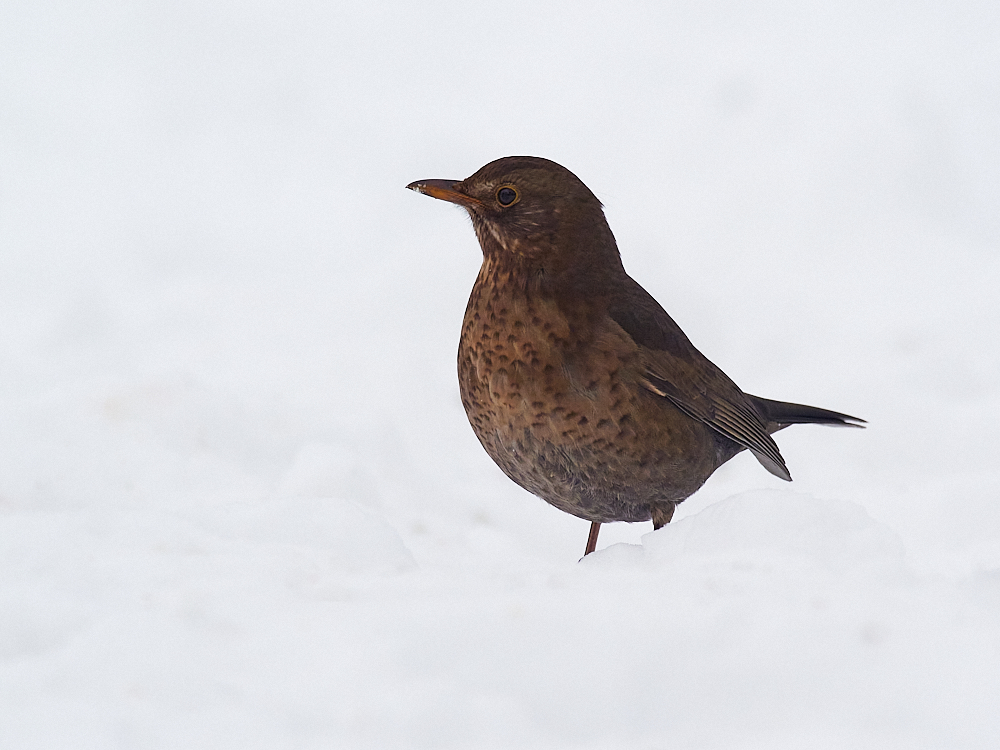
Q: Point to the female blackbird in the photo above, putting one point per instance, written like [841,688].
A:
[577,383]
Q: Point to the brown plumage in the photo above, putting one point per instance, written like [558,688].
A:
[577,383]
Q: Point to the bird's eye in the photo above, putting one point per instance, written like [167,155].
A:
[507,196]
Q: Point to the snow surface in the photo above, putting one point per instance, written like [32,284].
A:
[240,505]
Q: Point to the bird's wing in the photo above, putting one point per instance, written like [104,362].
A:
[674,369]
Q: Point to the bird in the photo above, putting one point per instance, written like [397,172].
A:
[578,384]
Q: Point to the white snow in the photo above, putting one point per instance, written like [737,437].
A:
[240,504]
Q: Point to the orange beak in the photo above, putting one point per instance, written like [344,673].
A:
[444,190]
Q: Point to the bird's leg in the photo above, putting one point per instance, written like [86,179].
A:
[595,529]
[662,513]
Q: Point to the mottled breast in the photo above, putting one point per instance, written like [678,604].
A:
[562,413]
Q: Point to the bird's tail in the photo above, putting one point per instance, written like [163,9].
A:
[782,414]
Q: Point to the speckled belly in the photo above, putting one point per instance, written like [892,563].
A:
[567,427]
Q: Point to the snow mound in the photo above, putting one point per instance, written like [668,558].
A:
[781,527]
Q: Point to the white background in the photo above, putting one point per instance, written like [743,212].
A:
[240,504]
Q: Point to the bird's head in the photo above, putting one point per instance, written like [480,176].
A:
[531,209]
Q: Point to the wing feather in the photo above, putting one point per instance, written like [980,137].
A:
[677,371]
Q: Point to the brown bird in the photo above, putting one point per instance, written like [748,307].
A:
[577,383]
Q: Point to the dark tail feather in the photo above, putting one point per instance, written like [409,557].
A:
[783,413]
